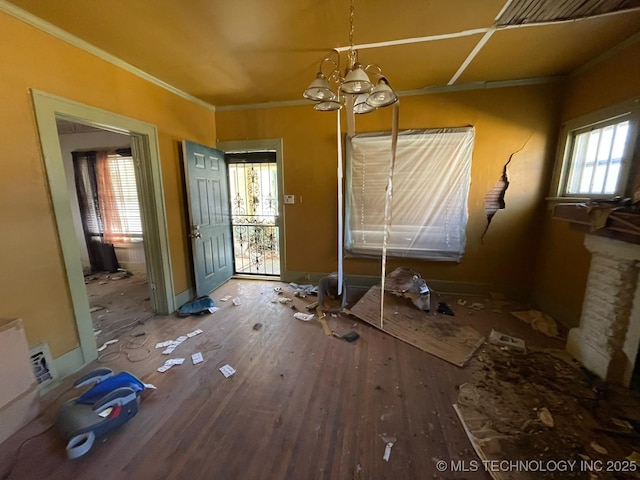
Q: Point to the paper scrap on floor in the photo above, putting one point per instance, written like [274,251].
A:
[196,358]
[227,370]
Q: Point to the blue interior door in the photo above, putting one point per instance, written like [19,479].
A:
[208,199]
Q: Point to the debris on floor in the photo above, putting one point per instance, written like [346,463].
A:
[444,309]
[170,363]
[430,333]
[351,336]
[406,283]
[539,321]
[199,306]
[476,306]
[227,370]
[170,345]
[257,326]
[539,407]
[226,298]
[389,441]
[303,290]
[196,358]
[236,302]
[305,317]
[504,340]
[120,274]
[544,415]
[329,300]
[106,344]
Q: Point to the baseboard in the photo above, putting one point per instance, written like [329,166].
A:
[569,318]
[64,365]
[184,297]
[437,286]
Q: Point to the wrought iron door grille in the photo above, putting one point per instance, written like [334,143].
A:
[254,220]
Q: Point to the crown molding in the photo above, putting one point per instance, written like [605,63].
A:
[61,34]
[463,87]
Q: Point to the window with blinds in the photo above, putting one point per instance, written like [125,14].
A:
[124,195]
[114,202]
[431,182]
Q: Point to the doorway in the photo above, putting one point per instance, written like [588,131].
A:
[253,193]
[144,145]
[104,200]
[256,189]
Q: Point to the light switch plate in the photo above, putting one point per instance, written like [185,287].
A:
[289,199]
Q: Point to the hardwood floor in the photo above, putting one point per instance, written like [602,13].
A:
[302,405]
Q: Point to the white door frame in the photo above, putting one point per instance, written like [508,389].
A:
[144,145]
[266,145]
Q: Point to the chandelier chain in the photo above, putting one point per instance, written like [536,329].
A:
[352,11]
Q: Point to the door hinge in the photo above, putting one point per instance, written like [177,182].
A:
[153,286]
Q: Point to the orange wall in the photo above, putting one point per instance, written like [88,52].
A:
[504,119]
[563,266]
[33,284]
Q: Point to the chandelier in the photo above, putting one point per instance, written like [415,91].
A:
[355,82]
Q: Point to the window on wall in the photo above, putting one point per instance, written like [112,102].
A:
[108,196]
[431,182]
[596,154]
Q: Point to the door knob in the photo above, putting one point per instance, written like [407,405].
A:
[195,232]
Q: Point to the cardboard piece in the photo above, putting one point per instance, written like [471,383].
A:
[435,335]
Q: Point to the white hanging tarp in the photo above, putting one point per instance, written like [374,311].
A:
[431,181]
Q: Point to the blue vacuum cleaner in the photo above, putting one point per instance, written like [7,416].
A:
[110,403]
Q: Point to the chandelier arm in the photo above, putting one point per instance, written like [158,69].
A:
[378,68]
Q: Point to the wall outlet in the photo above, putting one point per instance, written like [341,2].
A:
[289,199]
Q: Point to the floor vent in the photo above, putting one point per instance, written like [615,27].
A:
[42,364]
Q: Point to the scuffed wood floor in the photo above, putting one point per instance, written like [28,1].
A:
[301,405]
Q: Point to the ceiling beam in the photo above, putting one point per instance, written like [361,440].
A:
[485,38]
[406,41]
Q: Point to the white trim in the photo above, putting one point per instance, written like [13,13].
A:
[461,87]
[475,31]
[144,138]
[406,41]
[254,106]
[558,180]
[184,297]
[464,87]
[65,365]
[472,55]
[65,36]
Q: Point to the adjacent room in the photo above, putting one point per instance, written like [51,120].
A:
[343,240]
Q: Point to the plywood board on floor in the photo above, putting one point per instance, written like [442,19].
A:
[430,333]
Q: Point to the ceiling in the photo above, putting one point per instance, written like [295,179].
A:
[255,51]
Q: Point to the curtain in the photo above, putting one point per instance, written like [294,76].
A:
[107,193]
[108,201]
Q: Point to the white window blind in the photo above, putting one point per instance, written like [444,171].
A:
[430,191]
[111,205]
[125,195]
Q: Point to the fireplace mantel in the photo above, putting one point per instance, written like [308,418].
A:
[607,340]
[623,226]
